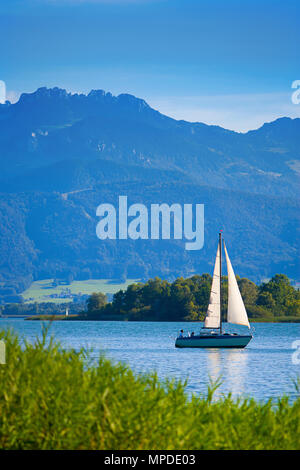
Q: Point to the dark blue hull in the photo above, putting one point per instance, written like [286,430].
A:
[214,341]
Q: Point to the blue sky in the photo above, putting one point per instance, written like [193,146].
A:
[229,62]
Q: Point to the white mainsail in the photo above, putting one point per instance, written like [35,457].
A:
[236,309]
[212,319]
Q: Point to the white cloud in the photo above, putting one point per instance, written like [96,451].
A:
[239,112]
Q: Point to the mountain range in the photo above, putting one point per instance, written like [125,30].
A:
[63,154]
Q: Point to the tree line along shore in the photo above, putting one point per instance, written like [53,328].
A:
[182,300]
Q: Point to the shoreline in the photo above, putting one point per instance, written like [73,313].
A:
[80,318]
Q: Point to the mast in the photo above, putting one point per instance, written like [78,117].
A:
[220,250]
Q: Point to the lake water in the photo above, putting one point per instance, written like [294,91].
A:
[264,369]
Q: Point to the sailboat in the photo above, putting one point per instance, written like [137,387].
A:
[236,312]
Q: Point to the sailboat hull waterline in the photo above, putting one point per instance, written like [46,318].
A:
[214,341]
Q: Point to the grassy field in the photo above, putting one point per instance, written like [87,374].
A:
[52,317]
[56,399]
[39,291]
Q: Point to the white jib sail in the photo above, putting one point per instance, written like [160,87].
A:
[212,319]
[236,309]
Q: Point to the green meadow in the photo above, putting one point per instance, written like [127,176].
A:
[39,291]
[56,399]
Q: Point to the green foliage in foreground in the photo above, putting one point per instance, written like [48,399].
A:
[56,399]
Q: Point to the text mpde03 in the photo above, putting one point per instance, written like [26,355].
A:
[177,459]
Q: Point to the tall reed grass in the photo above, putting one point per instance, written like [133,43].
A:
[56,399]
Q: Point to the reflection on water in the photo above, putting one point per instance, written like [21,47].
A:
[264,369]
[215,372]
[236,371]
[214,364]
[228,367]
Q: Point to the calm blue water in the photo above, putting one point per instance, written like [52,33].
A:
[263,370]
